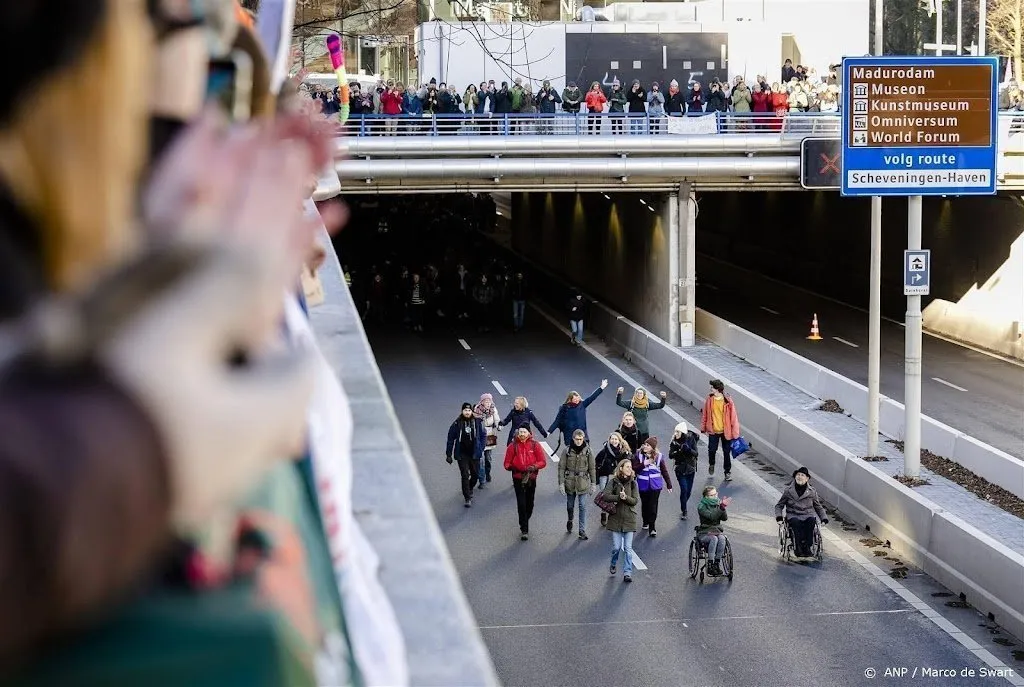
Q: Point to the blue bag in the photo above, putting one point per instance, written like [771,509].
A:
[739,446]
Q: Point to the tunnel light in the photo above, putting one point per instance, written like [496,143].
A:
[498,213]
[606,196]
[651,208]
[643,202]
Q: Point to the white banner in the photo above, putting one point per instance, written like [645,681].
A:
[694,124]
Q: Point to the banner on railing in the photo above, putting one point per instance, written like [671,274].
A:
[706,124]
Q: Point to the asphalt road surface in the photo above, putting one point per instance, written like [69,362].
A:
[548,609]
[974,392]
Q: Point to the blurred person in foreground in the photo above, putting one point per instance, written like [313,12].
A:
[154,404]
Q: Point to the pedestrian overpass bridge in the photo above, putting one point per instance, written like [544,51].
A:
[723,152]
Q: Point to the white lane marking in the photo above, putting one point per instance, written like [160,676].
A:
[464,344]
[844,341]
[882,576]
[951,385]
[548,450]
[499,387]
[684,621]
[637,563]
[773,312]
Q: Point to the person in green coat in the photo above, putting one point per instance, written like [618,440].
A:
[640,405]
[622,491]
[712,514]
[577,479]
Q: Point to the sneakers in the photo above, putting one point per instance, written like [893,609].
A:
[611,570]
[654,533]
[728,477]
[583,536]
[524,536]
[488,478]
[480,485]
[713,569]
[682,516]
[468,503]
[627,578]
[646,526]
[568,526]
[604,518]
[711,469]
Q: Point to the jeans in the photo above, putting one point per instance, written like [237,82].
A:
[524,501]
[685,489]
[715,544]
[577,330]
[623,541]
[570,500]
[713,441]
[649,507]
[469,469]
[602,482]
[518,312]
[484,471]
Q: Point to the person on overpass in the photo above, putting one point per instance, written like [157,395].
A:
[577,307]
[577,479]
[524,457]
[466,445]
[640,405]
[800,503]
[521,415]
[608,458]
[487,413]
[719,421]
[651,477]
[572,414]
[623,492]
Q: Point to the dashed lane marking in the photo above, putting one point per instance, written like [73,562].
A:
[769,310]
[464,344]
[882,576]
[550,451]
[844,341]
[499,387]
[951,385]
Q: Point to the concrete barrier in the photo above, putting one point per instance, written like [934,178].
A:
[998,467]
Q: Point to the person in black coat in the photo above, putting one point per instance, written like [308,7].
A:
[465,444]
[521,415]
[577,310]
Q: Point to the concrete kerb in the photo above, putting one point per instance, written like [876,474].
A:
[998,467]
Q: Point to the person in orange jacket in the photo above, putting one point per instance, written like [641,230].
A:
[595,101]
[524,457]
[719,421]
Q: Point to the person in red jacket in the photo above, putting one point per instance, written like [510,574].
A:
[391,105]
[595,101]
[524,457]
[719,421]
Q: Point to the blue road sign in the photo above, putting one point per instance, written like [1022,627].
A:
[919,126]
[917,272]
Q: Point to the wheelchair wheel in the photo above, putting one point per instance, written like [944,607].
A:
[694,559]
[727,559]
[783,539]
[790,543]
[816,543]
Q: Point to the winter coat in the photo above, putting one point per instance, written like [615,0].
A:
[412,105]
[617,101]
[515,97]
[632,437]
[501,102]
[800,507]
[732,423]
[595,101]
[762,101]
[676,103]
[656,104]
[577,309]
[483,294]
[390,103]
[520,455]
[651,477]
[453,444]
[741,98]
[490,422]
[518,418]
[636,100]
[547,99]
[640,414]
[780,103]
[695,102]
[717,101]
[571,99]
[624,518]
[712,515]
[518,290]
[608,459]
[570,418]
[684,452]
[577,470]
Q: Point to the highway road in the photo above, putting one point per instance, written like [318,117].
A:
[971,391]
[551,614]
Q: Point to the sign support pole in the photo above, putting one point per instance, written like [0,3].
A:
[875,289]
[912,358]
[982,19]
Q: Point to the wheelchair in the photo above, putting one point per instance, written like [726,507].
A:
[787,543]
[698,559]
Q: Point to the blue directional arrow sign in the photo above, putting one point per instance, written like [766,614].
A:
[917,272]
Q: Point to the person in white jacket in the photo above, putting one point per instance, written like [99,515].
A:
[488,415]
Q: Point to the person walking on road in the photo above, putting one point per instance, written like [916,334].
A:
[577,308]
[640,405]
[622,491]
[521,415]
[651,477]
[608,458]
[524,457]
[572,414]
[577,479]
[683,451]
[630,433]
[519,293]
[487,413]
[719,421]
[801,503]
[466,445]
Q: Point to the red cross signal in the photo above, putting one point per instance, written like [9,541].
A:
[830,163]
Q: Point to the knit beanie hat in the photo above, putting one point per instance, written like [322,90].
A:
[801,470]
[467,404]
[486,397]
[652,442]
[682,428]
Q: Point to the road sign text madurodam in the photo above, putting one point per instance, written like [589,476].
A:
[919,125]
[915,106]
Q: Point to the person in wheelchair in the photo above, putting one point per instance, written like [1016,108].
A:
[712,513]
[801,504]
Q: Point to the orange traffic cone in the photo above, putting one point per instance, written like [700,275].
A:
[815,336]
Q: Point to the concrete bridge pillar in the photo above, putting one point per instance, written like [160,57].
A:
[682,244]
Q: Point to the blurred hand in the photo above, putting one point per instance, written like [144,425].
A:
[604,383]
[561,489]
[726,501]
[663,394]
[619,390]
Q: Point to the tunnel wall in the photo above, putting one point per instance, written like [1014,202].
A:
[614,248]
[821,242]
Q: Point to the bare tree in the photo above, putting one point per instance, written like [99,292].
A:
[1006,30]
